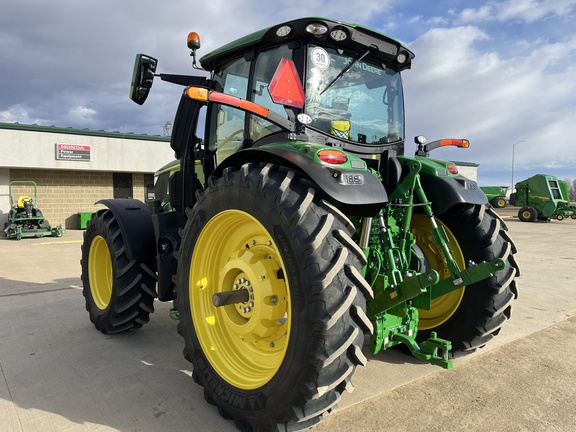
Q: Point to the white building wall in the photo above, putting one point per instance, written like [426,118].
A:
[31,149]
[4,200]
[28,148]
[470,172]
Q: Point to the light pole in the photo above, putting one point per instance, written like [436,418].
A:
[513,147]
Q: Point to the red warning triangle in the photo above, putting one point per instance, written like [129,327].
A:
[286,87]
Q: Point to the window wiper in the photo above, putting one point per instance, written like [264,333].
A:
[343,71]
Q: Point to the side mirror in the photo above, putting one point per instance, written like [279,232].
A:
[142,77]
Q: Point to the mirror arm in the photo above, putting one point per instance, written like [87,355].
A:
[184,80]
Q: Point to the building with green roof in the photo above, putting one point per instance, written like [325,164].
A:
[74,168]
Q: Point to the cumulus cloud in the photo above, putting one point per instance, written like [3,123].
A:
[494,101]
[82,115]
[15,114]
[524,10]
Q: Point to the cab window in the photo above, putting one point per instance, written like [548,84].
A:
[266,64]
[226,124]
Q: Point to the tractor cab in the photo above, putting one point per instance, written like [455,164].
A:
[310,80]
[333,84]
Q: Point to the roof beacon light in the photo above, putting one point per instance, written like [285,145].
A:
[193,44]
[317,29]
[193,41]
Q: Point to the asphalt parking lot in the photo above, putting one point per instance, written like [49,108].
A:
[57,373]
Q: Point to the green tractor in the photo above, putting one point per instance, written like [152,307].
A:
[304,230]
[543,197]
[496,195]
[24,218]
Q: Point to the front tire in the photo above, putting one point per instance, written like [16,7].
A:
[281,359]
[119,292]
[470,316]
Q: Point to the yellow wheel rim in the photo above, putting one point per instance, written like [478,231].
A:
[526,214]
[501,202]
[442,308]
[100,272]
[244,342]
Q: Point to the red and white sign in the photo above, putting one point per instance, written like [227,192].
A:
[73,152]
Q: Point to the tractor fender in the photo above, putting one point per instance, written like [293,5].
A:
[445,192]
[363,198]
[135,220]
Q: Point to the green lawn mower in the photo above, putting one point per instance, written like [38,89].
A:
[25,220]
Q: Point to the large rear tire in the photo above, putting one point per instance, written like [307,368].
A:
[119,292]
[282,358]
[472,315]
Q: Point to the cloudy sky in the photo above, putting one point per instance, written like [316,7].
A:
[501,73]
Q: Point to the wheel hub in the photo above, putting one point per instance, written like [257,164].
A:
[259,317]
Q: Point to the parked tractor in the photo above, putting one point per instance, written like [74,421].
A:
[543,197]
[496,195]
[24,218]
[306,230]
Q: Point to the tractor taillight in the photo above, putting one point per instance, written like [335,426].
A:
[333,157]
[452,168]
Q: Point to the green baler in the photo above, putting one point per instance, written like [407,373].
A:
[542,197]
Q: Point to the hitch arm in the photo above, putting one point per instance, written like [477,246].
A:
[434,350]
[472,274]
